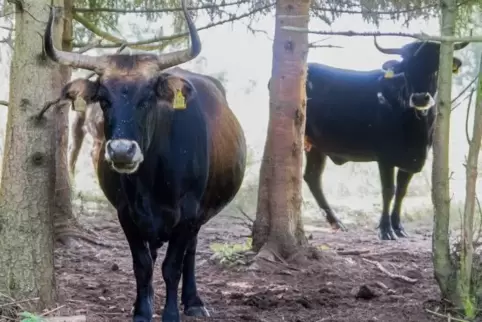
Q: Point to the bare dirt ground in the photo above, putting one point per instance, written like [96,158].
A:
[99,282]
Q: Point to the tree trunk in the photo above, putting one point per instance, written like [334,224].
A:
[468,269]
[443,265]
[278,228]
[63,214]
[454,276]
[66,224]
[26,230]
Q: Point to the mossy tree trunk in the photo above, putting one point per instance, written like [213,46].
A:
[28,173]
[278,228]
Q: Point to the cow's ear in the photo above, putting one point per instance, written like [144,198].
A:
[81,92]
[175,90]
[393,65]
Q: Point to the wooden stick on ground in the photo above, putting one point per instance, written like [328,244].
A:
[75,318]
[389,274]
[353,252]
[448,317]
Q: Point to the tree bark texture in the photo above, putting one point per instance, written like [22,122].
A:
[26,229]
[64,220]
[278,228]
[444,266]
[469,273]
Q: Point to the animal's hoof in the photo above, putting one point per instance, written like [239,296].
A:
[197,311]
[140,319]
[400,232]
[387,234]
[338,225]
[170,317]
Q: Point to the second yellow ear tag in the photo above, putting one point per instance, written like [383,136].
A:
[79,104]
[389,74]
[179,101]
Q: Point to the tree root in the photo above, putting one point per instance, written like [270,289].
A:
[63,236]
[269,259]
[389,274]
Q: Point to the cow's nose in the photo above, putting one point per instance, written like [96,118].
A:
[121,151]
[421,99]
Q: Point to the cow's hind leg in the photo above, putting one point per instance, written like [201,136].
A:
[403,180]
[315,164]
[193,305]
[143,264]
[388,189]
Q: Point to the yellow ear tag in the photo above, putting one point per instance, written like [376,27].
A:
[455,69]
[179,101]
[389,74]
[79,104]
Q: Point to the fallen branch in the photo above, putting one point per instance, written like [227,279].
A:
[445,316]
[381,285]
[52,311]
[353,252]
[74,318]
[389,274]
[18,302]
[420,36]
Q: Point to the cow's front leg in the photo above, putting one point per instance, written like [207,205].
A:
[172,267]
[143,264]
[193,305]
[171,272]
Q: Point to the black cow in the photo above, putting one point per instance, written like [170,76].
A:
[174,156]
[91,121]
[385,116]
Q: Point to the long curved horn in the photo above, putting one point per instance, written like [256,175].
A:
[389,51]
[460,45]
[179,57]
[96,64]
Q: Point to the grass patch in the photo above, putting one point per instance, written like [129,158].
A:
[231,254]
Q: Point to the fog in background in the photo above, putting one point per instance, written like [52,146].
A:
[245,60]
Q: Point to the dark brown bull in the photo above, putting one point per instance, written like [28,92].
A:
[174,156]
[91,121]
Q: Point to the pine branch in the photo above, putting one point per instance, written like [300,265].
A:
[365,11]
[107,36]
[420,36]
[4,103]
[163,10]
[142,43]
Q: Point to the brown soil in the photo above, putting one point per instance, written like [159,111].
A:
[99,282]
